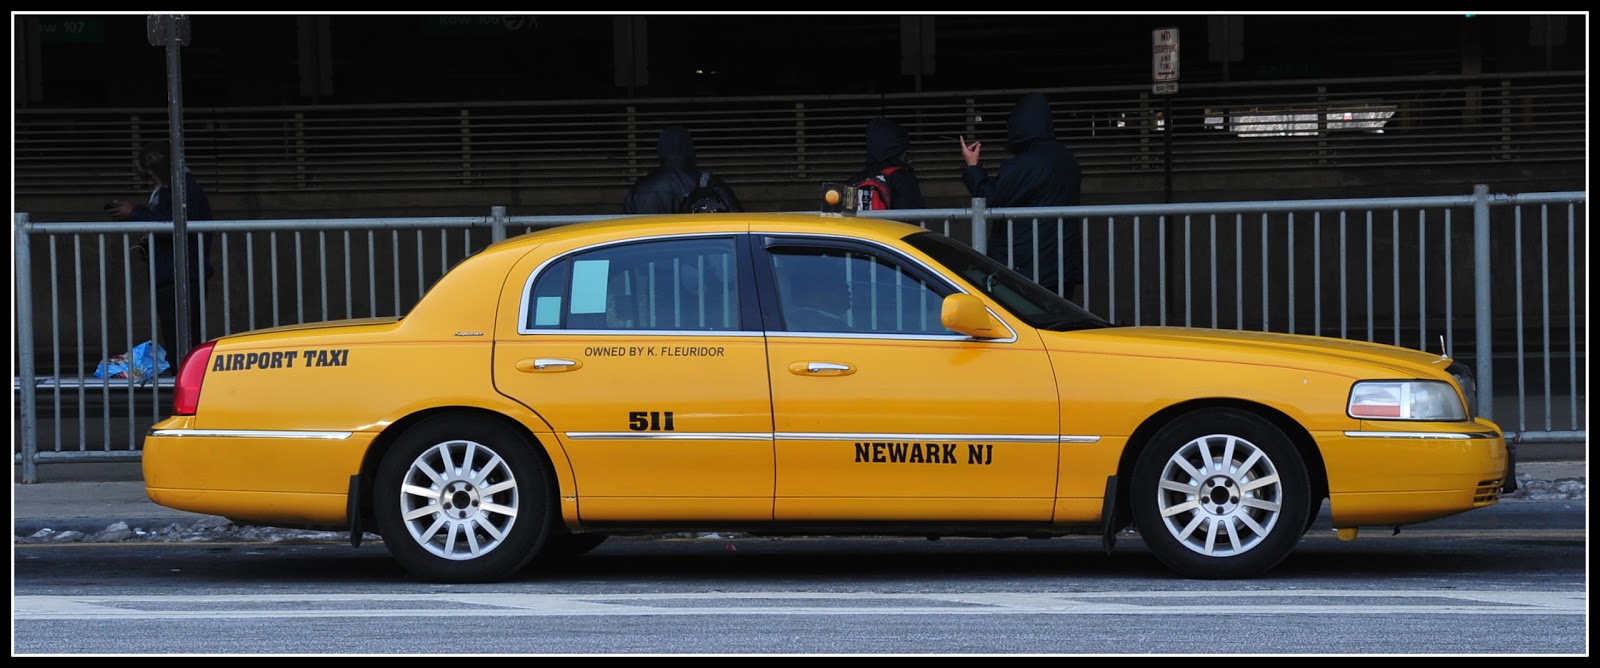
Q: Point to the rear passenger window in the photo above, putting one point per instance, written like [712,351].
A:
[671,285]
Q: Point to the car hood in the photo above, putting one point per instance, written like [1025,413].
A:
[1313,353]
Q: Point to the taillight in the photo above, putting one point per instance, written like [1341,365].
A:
[186,394]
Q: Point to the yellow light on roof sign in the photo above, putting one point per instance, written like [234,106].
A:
[838,199]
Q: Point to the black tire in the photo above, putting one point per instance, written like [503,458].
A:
[1220,522]
[479,516]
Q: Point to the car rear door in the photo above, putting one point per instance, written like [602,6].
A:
[645,358]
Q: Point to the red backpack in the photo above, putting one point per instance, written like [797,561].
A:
[872,193]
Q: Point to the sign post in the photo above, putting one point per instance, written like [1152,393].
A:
[1164,74]
[1164,78]
[172,32]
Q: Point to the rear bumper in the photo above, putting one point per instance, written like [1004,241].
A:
[275,478]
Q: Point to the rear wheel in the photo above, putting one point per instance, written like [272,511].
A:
[1220,493]
[462,500]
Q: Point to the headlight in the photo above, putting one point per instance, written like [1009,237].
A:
[1405,400]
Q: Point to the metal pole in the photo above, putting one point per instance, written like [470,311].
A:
[23,280]
[497,222]
[172,31]
[1166,135]
[980,225]
[1170,231]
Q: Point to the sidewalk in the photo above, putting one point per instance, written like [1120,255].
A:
[90,497]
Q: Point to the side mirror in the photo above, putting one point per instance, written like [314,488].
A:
[964,313]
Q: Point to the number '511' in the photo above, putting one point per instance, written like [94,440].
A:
[650,420]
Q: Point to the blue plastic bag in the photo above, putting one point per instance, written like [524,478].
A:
[142,364]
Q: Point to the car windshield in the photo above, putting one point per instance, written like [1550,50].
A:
[1025,299]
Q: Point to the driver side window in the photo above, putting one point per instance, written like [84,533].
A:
[837,290]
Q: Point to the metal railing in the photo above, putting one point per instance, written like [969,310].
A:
[1489,278]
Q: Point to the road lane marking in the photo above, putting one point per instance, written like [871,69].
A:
[1298,602]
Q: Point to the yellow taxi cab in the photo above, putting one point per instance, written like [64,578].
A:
[795,374]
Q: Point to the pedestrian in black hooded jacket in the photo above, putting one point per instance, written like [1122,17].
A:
[889,149]
[155,165]
[1040,172]
[663,189]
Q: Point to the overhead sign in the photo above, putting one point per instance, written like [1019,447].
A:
[476,24]
[70,29]
[1164,54]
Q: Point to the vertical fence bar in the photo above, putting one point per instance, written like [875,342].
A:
[1371,324]
[227,278]
[1111,265]
[444,252]
[250,279]
[1188,273]
[55,333]
[106,347]
[1422,280]
[200,306]
[1344,280]
[1138,295]
[497,224]
[272,257]
[394,264]
[1033,247]
[1544,292]
[24,289]
[1266,280]
[1316,273]
[1449,283]
[1212,228]
[1516,272]
[1238,272]
[299,279]
[1572,319]
[1394,264]
[1061,275]
[1289,267]
[1483,308]
[372,274]
[1161,266]
[322,268]
[422,284]
[980,225]
[349,290]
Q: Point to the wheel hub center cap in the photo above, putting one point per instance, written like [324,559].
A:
[459,500]
[1220,495]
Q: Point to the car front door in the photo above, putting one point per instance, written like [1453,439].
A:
[882,414]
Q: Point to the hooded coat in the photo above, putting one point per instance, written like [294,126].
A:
[160,209]
[888,145]
[1040,172]
[664,187]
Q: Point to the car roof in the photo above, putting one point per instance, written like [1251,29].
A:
[771,223]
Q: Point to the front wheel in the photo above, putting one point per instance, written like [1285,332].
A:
[1220,493]
[460,500]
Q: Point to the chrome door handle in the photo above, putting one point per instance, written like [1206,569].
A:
[821,369]
[547,364]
